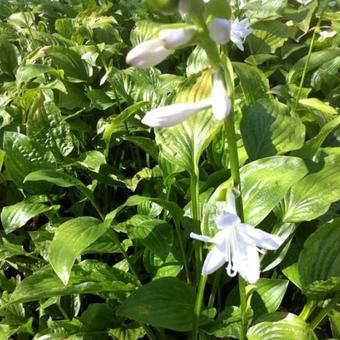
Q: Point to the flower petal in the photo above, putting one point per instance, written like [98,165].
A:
[261,238]
[226,219]
[219,30]
[221,103]
[214,260]
[200,237]
[170,115]
[248,264]
[148,53]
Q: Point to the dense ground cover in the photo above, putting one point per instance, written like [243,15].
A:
[97,208]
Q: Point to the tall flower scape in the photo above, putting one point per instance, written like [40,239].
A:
[236,243]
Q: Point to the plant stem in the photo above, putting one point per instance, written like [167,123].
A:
[235,174]
[234,162]
[196,215]
[214,289]
[323,313]
[307,309]
[316,30]
[198,306]
[181,246]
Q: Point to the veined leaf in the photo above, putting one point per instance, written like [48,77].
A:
[184,143]
[268,129]
[321,276]
[267,36]
[264,183]
[280,326]
[89,276]
[311,196]
[253,82]
[268,295]
[46,125]
[166,302]
[70,240]
[15,216]
[23,156]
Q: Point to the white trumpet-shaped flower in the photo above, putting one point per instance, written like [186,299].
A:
[148,53]
[222,30]
[152,52]
[238,244]
[170,115]
[221,103]
[239,32]
[176,37]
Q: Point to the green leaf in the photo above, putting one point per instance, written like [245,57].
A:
[253,82]
[154,234]
[70,240]
[16,216]
[312,195]
[280,326]
[264,183]
[321,276]
[268,129]
[8,60]
[312,146]
[64,181]
[301,16]
[268,295]
[184,143]
[69,61]
[166,302]
[316,59]
[89,276]
[24,156]
[26,73]
[46,125]
[267,36]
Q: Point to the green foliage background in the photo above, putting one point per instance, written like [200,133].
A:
[94,204]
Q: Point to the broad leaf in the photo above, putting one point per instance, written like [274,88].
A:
[165,302]
[321,276]
[87,277]
[268,295]
[264,183]
[23,156]
[70,240]
[184,143]
[268,129]
[280,326]
[312,196]
[15,216]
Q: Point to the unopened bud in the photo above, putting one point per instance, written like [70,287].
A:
[219,30]
[170,115]
[148,53]
[175,38]
[221,103]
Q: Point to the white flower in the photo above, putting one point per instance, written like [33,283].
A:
[173,114]
[304,2]
[175,38]
[148,53]
[238,244]
[239,32]
[222,30]
[221,103]
[219,30]
[152,52]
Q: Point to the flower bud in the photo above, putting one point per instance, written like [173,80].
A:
[219,30]
[175,38]
[148,53]
[173,114]
[221,103]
